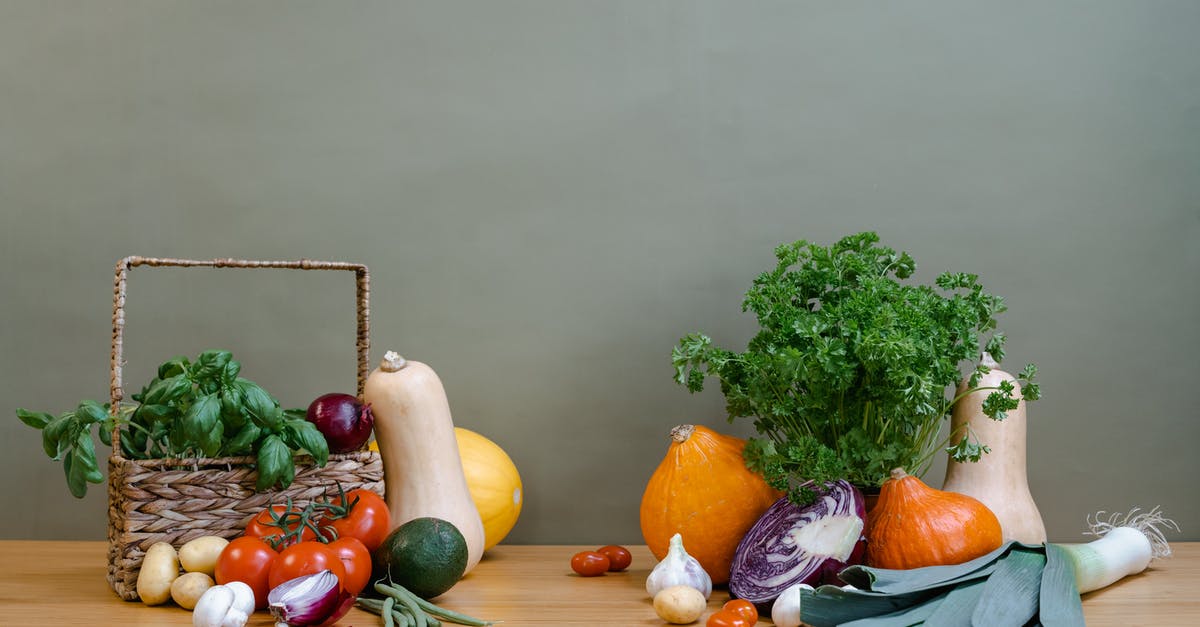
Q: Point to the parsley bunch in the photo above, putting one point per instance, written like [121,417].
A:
[191,409]
[852,370]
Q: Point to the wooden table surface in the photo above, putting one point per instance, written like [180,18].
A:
[62,583]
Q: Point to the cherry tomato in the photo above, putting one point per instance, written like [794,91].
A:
[727,618]
[356,559]
[589,563]
[249,561]
[261,526]
[619,557]
[369,519]
[743,607]
[305,558]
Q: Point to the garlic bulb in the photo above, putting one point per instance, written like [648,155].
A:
[678,569]
[786,610]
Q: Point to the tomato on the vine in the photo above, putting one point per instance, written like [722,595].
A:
[356,559]
[727,618]
[743,607]
[248,560]
[263,526]
[619,557]
[305,558]
[368,518]
[589,563]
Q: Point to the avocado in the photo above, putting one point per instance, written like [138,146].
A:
[426,556]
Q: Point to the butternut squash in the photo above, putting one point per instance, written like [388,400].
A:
[999,478]
[422,470]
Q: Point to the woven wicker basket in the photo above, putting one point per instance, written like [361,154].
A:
[172,500]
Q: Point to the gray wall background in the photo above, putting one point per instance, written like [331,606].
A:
[549,194]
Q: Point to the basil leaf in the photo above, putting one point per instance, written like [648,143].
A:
[243,442]
[202,417]
[211,364]
[129,447]
[53,442]
[305,435]
[155,413]
[178,441]
[85,453]
[230,372]
[89,412]
[76,482]
[175,366]
[163,391]
[106,429]
[210,442]
[273,457]
[35,419]
[263,409]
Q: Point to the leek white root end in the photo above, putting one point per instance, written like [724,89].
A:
[1126,545]
[1150,523]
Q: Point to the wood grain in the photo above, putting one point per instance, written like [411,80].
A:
[62,583]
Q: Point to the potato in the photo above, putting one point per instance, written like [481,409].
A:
[200,555]
[679,605]
[159,569]
[187,589]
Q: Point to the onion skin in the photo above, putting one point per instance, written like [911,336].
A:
[343,420]
[792,545]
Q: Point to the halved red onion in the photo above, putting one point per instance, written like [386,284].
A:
[316,599]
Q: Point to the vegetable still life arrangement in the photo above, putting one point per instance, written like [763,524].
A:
[848,382]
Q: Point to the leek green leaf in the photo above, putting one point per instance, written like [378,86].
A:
[958,607]
[1010,595]
[831,605]
[913,615]
[1058,601]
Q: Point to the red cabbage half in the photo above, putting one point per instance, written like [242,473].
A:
[791,544]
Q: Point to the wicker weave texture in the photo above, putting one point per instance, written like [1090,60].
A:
[172,500]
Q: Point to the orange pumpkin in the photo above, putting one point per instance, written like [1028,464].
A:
[913,525]
[703,491]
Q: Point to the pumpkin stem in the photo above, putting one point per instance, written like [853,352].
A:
[392,362]
[682,432]
[898,474]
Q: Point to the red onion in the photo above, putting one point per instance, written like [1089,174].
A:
[345,422]
[316,599]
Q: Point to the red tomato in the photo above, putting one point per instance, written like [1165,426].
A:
[356,559]
[368,520]
[305,558]
[589,563]
[261,526]
[743,607]
[619,557]
[249,561]
[727,618]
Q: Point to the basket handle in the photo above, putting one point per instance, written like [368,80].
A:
[363,292]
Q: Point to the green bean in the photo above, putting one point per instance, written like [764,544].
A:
[386,612]
[429,609]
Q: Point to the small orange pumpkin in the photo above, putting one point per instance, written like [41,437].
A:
[913,525]
[703,491]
